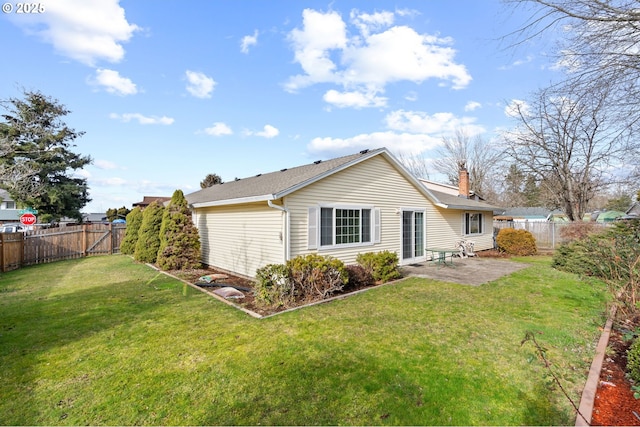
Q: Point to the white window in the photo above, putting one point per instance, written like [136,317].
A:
[343,225]
[473,223]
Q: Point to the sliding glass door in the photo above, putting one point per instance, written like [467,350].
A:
[413,238]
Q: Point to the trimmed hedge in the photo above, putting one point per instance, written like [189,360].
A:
[516,242]
[383,266]
[303,278]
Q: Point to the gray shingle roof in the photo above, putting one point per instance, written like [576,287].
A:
[274,185]
[277,183]
[457,202]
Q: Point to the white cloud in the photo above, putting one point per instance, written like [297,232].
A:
[406,143]
[86,31]
[378,55]
[515,107]
[218,129]
[112,82]
[438,123]
[199,84]
[517,63]
[321,33]
[105,164]
[410,132]
[110,182]
[472,106]
[248,41]
[143,120]
[411,96]
[366,22]
[354,99]
[267,131]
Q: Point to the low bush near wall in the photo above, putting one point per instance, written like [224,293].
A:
[383,266]
[273,288]
[316,276]
[358,277]
[304,278]
[516,242]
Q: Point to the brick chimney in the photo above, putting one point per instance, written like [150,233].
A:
[463,182]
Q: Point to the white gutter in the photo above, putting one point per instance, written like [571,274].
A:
[287,253]
[224,202]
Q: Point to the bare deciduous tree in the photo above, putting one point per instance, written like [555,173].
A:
[480,159]
[415,164]
[571,144]
[598,46]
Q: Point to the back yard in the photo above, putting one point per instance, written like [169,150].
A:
[103,340]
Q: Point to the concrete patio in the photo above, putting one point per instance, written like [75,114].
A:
[468,271]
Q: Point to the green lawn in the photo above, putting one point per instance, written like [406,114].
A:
[103,340]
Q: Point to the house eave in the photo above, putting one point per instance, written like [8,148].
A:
[467,207]
[238,201]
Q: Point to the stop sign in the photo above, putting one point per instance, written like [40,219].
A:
[28,219]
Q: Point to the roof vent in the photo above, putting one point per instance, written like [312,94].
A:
[317,162]
[364,151]
[282,170]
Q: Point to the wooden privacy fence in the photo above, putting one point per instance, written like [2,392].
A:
[55,244]
[546,233]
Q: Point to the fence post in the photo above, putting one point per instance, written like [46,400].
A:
[2,249]
[84,240]
[111,238]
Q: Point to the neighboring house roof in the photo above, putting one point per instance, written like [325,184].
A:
[94,217]
[147,200]
[609,216]
[274,185]
[528,212]
[634,209]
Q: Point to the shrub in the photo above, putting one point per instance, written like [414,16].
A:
[613,255]
[179,239]
[516,242]
[149,234]
[273,288]
[134,220]
[303,278]
[578,230]
[358,276]
[315,276]
[383,266]
[633,361]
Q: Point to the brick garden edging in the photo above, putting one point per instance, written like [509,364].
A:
[585,410]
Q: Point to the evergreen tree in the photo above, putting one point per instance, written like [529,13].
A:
[210,180]
[134,221]
[120,213]
[36,164]
[149,234]
[179,238]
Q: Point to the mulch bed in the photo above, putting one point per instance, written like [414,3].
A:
[614,404]
[248,302]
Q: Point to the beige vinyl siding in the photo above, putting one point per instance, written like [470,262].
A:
[241,238]
[446,227]
[374,183]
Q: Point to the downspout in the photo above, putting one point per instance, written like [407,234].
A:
[286,228]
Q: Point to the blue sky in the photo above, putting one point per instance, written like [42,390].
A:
[170,91]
